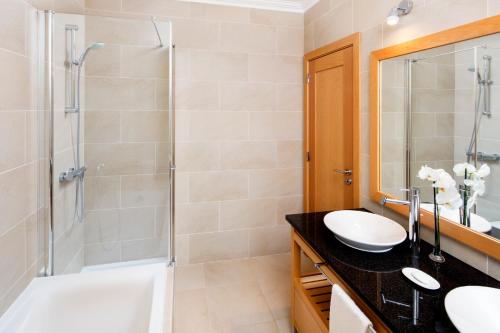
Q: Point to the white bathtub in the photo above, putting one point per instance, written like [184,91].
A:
[126,300]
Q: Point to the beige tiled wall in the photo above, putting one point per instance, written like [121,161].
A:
[19,248]
[330,20]
[239,131]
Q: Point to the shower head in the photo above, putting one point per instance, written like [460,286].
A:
[93,46]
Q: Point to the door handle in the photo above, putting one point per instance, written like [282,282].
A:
[344,172]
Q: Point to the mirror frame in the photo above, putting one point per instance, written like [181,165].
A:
[462,234]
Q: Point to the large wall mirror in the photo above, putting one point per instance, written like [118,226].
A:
[436,102]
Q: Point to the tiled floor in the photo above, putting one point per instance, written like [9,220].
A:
[246,295]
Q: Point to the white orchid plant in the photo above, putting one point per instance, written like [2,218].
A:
[445,190]
[473,180]
[445,194]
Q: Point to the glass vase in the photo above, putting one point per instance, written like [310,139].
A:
[436,252]
[464,210]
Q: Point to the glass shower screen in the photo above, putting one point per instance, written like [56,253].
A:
[109,133]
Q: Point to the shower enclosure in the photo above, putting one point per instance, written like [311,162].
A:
[108,141]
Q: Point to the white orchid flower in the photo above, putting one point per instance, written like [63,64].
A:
[472,201]
[483,171]
[459,169]
[428,173]
[476,184]
[444,181]
[449,198]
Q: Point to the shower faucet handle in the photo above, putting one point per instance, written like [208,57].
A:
[71,174]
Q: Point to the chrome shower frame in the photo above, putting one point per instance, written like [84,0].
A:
[171,131]
[46,24]
[48,17]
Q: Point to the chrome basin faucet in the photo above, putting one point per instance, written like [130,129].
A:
[413,203]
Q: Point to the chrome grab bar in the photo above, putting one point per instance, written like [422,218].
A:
[318,267]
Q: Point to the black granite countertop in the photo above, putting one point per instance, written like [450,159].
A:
[378,279]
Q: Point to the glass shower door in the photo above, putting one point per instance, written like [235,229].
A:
[112,142]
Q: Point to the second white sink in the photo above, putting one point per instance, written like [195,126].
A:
[474,309]
[477,222]
[365,231]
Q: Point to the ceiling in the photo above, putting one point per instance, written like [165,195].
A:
[295,6]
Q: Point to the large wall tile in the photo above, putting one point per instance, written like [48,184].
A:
[276,18]
[203,95]
[196,218]
[17,195]
[144,249]
[276,125]
[247,97]
[119,159]
[102,226]
[170,8]
[104,4]
[248,37]
[12,256]
[102,127]
[197,156]
[334,24]
[15,82]
[220,13]
[210,126]
[102,253]
[144,190]
[218,246]
[275,183]
[244,214]
[141,61]
[196,34]
[13,26]
[122,31]
[248,155]
[269,240]
[217,186]
[137,223]
[102,192]
[13,137]
[106,62]
[119,94]
[211,66]
[289,97]
[144,126]
[290,41]
[290,154]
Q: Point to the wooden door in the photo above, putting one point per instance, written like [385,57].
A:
[331,135]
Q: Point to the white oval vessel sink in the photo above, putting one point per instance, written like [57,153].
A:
[474,309]
[365,231]
[477,222]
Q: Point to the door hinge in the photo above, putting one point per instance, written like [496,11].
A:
[308,78]
[308,156]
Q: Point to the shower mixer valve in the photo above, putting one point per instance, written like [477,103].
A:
[71,174]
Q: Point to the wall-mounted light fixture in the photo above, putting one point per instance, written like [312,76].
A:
[404,8]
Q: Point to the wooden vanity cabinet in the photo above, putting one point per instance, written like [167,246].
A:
[311,293]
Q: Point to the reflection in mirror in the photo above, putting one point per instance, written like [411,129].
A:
[440,107]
